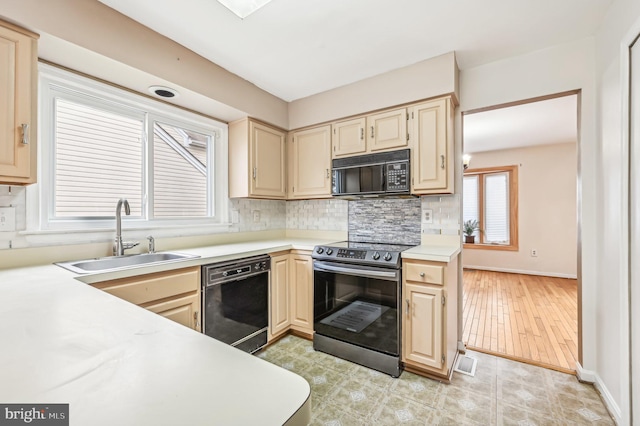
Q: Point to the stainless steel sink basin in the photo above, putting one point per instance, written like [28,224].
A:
[115,263]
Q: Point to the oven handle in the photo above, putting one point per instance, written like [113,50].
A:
[317,266]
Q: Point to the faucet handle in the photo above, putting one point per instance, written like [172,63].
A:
[129,244]
[152,244]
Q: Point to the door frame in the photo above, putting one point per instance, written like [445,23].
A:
[578,93]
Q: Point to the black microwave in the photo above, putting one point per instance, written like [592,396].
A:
[385,173]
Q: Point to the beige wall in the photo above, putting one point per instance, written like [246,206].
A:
[99,29]
[426,79]
[547,219]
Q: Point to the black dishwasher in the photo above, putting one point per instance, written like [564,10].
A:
[235,302]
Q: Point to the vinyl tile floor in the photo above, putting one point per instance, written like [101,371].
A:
[502,392]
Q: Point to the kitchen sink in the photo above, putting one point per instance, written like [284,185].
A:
[115,263]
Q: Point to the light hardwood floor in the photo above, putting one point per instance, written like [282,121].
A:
[524,317]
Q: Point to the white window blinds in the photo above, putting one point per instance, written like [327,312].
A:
[179,172]
[98,160]
[470,207]
[496,208]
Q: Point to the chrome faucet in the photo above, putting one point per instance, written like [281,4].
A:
[120,246]
[152,244]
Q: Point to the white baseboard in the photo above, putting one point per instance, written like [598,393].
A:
[520,271]
[589,376]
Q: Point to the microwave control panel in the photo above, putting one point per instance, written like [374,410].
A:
[397,176]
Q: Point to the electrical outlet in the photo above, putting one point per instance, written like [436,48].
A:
[7,219]
[534,252]
[427,216]
[256,216]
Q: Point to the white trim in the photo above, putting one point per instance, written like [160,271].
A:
[521,271]
[589,376]
[40,216]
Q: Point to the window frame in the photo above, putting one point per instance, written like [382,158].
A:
[54,80]
[512,172]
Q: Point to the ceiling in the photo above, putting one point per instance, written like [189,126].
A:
[297,48]
[544,122]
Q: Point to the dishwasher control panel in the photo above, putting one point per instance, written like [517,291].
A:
[235,269]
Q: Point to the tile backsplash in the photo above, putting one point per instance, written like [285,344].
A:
[446,212]
[385,220]
[324,215]
[257,215]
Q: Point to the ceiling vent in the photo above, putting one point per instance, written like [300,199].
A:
[163,92]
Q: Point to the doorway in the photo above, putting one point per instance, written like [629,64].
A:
[521,272]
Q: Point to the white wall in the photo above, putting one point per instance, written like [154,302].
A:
[554,70]
[620,26]
[429,78]
[546,212]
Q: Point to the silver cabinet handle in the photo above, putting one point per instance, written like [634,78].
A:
[328,175]
[25,134]
[408,306]
[255,172]
[361,133]
[372,131]
[442,158]
[195,320]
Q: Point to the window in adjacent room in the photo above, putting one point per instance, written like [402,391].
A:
[490,196]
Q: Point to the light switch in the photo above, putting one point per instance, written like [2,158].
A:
[7,219]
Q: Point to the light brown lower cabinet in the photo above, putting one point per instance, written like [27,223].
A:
[291,293]
[429,317]
[172,294]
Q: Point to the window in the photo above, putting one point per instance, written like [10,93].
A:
[490,196]
[104,143]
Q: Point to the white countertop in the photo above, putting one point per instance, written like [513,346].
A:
[115,363]
[435,253]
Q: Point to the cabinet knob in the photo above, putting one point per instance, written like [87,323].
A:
[422,274]
[25,134]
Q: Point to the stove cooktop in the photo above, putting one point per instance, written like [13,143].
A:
[381,254]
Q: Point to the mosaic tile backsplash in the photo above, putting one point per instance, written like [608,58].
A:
[385,220]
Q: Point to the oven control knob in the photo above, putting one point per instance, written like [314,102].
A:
[319,250]
[329,251]
[376,255]
[387,256]
[225,273]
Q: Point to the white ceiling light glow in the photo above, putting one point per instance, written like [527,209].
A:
[243,8]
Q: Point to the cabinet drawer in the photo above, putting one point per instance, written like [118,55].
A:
[139,290]
[431,274]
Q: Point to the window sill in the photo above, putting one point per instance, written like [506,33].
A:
[490,247]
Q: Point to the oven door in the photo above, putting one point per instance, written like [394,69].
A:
[358,305]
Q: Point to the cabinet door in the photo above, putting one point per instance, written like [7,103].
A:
[184,310]
[16,78]
[279,295]
[310,163]
[349,138]
[302,292]
[387,130]
[268,161]
[422,325]
[432,153]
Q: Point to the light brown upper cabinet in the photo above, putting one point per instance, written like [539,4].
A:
[348,137]
[310,163]
[257,166]
[387,130]
[18,89]
[383,131]
[431,142]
